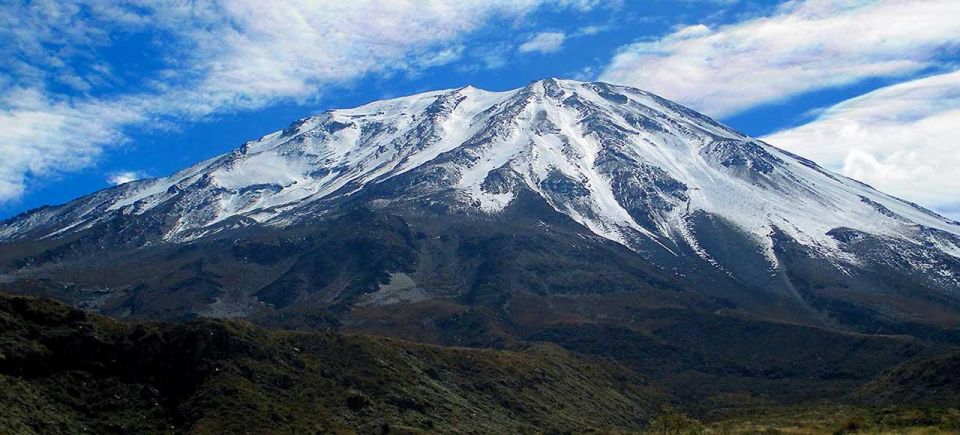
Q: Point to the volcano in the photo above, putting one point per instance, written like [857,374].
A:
[599,217]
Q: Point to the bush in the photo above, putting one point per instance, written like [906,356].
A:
[671,422]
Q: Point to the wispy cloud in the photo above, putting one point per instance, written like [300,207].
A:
[543,42]
[218,57]
[901,139]
[41,136]
[123,177]
[804,46]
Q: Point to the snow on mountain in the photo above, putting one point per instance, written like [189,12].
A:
[628,165]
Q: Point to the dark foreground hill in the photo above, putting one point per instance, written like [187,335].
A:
[66,371]
[931,381]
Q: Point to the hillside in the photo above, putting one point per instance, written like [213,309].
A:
[930,381]
[66,371]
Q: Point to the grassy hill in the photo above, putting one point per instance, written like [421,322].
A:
[67,371]
[928,381]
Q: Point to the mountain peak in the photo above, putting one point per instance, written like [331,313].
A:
[557,170]
[627,165]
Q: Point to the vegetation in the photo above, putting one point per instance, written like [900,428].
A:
[66,371]
[840,419]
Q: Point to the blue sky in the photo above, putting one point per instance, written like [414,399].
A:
[93,93]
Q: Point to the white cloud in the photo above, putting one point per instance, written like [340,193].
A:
[901,139]
[544,42]
[42,137]
[804,46]
[218,57]
[123,177]
[590,30]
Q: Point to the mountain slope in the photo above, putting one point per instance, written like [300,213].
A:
[626,164]
[699,203]
[921,381]
[64,371]
[600,218]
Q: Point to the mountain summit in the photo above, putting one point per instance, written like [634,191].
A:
[590,188]
[626,164]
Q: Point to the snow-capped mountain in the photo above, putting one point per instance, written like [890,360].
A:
[626,165]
